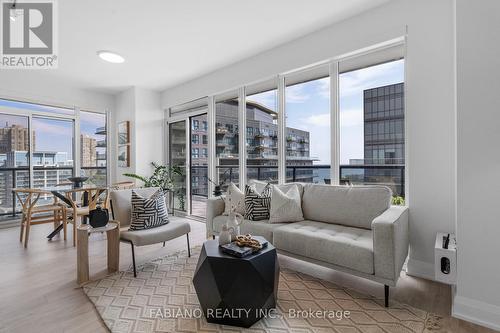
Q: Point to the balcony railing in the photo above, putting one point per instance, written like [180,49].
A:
[11,178]
[100,130]
[392,175]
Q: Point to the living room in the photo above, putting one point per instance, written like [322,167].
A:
[273,166]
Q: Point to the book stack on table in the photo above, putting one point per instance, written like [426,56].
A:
[242,251]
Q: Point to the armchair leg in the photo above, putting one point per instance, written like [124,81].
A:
[213,236]
[133,259]
[163,244]
[189,249]
[386,294]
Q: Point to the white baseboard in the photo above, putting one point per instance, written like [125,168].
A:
[420,269]
[476,312]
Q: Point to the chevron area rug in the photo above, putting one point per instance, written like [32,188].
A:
[162,299]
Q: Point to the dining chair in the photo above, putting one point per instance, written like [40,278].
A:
[33,214]
[82,201]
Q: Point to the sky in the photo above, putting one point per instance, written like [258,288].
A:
[308,108]
[51,134]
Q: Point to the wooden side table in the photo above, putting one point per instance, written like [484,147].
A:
[82,262]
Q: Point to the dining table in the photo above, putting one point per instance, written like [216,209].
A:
[84,196]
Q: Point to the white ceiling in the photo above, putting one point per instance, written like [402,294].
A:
[167,42]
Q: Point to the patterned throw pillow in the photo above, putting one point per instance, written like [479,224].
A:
[148,213]
[257,205]
[234,199]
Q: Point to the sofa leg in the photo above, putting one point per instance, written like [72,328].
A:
[386,294]
[163,244]
[213,236]
[133,259]
[189,249]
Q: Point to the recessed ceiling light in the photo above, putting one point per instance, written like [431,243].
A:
[110,57]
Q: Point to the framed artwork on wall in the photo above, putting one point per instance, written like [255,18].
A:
[124,156]
[124,132]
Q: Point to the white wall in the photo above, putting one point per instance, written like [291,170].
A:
[149,130]
[478,104]
[125,111]
[142,108]
[429,92]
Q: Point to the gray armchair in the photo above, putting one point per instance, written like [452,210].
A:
[120,201]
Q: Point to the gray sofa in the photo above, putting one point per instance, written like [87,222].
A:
[348,228]
[121,207]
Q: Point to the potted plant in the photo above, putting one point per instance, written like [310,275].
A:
[163,177]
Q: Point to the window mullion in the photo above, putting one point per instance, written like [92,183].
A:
[334,123]
[281,131]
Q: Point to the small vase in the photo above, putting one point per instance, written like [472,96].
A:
[225,235]
[234,221]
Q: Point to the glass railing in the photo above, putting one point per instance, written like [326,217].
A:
[390,175]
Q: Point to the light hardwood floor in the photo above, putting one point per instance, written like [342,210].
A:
[38,290]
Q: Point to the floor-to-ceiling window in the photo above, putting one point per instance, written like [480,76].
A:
[38,148]
[372,131]
[347,113]
[93,147]
[227,139]
[52,152]
[262,132]
[307,121]
[14,158]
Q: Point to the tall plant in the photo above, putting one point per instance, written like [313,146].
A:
[163,177]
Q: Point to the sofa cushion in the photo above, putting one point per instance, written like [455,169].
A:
[257,204]
[156,235]
[335,244]
[259,186]
[255,228]
[235,198]
[285,206]
[354,206]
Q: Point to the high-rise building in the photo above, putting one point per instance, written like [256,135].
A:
[261,146]
[384,136]
[88,146]
[14,137]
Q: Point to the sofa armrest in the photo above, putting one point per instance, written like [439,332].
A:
[390,242]
[215,207]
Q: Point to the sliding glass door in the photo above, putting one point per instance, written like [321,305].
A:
[177,156]
[198,165]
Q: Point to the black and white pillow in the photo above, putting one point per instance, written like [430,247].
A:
[257,205]
[148,212]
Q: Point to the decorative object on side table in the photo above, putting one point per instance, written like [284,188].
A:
[225,235]
[244,245]
[98,217]
[245,287]
[234,220]
[78,181]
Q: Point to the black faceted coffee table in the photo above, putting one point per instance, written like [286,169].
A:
[236,291]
